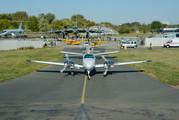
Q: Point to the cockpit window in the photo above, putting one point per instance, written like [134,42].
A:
[3,31]
[89,56]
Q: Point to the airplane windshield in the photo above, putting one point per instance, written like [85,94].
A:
[3,31]
[89,56]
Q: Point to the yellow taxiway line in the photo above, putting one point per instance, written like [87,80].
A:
[83,93]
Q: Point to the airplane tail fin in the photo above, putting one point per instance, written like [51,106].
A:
[100,42]
[21,25]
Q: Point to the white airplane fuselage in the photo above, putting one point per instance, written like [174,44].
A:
[89,61]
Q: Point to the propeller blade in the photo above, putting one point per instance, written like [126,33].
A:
[63,69]
[66,55]
[104,58]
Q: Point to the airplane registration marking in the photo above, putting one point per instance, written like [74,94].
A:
[83,93]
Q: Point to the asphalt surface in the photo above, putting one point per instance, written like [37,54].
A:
[123,94]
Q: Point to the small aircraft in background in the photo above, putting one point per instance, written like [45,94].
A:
[96,44]
[73,42]
[15,32]
[88,62]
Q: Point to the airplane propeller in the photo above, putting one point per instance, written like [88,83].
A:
[87,32]
[63,31]
[107,65]
[99,30]
[68,63]
[51,31]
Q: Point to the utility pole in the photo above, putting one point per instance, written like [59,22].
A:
[30,10]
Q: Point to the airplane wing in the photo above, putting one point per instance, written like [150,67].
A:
[72,53]
[26,34]
[123,63]
[52,63]
[106,53]
[55,63]
[69,30]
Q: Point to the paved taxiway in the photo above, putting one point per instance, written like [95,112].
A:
[123,94]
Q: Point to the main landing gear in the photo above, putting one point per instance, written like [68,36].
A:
[72,72]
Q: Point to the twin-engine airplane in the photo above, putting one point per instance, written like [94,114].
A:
[88,62]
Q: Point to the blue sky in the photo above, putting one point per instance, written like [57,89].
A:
[113,11]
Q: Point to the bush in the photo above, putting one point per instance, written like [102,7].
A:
[23,48]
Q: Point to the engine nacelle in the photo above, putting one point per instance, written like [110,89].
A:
[69,63]
[108,64]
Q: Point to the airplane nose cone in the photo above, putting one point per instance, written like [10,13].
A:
[88,67]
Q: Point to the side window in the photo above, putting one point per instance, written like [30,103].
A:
[177,35]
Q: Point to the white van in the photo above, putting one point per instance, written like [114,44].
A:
[129,44]
[172,43]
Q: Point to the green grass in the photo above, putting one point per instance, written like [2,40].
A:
[164,66]
[13,62]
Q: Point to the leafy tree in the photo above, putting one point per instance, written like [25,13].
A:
[80,20]
[122,30]
[4,16]
[34,24]
[70,23]
[41,15]
[156,25]
[50,17]
[144,29]
[135,25]
[10,16]
[14,25]
[43,24]
[57,24]
[20,16]
[4,24]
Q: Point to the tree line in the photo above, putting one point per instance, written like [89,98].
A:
[45,22]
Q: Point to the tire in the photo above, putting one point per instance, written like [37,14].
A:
[168,46]
[73,73]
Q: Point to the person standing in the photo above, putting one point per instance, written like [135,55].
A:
[150,46]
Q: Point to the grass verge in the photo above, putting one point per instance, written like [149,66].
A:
[13,62]
[164,66]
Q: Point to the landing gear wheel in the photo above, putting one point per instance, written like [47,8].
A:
[73,73]
[104,75]
[88,77]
